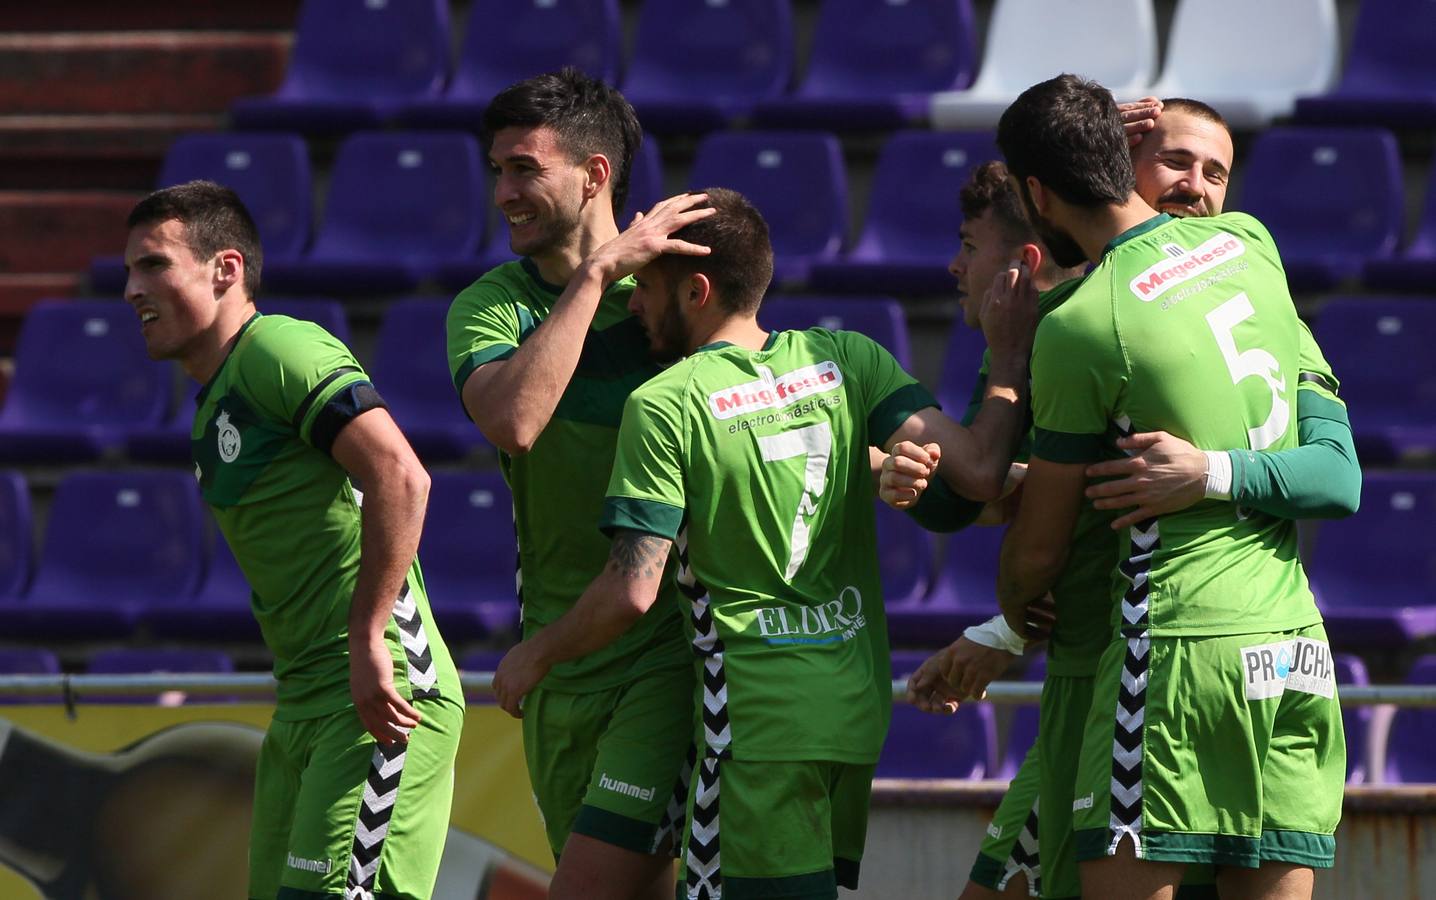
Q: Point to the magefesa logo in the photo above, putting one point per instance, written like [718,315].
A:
[1184,265]
[773,392]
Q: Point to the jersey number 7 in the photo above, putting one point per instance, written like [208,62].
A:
[815,444]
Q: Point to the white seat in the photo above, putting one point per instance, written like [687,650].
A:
[1251,73]
[1113,42]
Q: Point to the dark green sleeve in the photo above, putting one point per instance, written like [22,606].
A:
[940,508]
[1321,479]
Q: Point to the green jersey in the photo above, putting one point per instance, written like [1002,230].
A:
[1184,326]
[263,429]
[558,485]
[756,462]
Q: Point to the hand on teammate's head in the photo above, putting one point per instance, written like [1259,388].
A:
[1139,117]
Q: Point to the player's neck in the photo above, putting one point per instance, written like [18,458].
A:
[1096,228]
[206,353]
[558,265]
[740,331]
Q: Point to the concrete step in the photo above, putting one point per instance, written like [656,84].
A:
[59,231]
[84,152]
[180,72]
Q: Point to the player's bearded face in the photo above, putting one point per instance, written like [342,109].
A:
[1065,252]
[552,228]
[668,334]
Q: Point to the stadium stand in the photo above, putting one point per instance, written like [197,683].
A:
[1390,75]
[1032,40]
[270,172]
[469,554]
[1393,403]
[412,374]
[354,65]
[960,362]
[645,180]
[61,411]
[116,542]
[697,65]
[880,318]
[1021,732]
[509,40]
[1355,720]
[1259,79]
[219,609]
[919,745]
[400,205]
[799,182]
[1415,268]
[127,661]
[26,661]
[1409,759]
[904,558]
[910,231]
[16,550]
[877,65]
[1326,233]
[1372,573]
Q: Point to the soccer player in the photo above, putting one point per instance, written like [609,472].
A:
[1184,325]
[543,353]
[355,776]
[1181,167]
[751,457]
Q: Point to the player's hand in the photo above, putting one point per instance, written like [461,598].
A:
[929,692]
[970,667]
[385,713]
[905,473]
[1139,117]
[519,672]
[1009,313]
[1167,474]
[648,237]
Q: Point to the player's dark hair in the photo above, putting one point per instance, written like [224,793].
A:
[214,219]
[740,264]
[1195,108]
[586,115]
[988,188]
[1066,131]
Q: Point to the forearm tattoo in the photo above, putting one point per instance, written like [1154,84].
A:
[635,554]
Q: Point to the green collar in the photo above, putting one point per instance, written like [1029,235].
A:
[719,345]
[1156,221]
[530,267]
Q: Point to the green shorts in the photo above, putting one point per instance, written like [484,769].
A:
[1011,843]
[337,814]
[612,765]
[1226,750]
[790,830]
[1066,700]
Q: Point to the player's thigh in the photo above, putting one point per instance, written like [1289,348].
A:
[561,732]
[1122,876]
[639,780]
[1009,852]
[276,793]
[371,815]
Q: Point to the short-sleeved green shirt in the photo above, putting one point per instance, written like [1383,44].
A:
[757,463]
[1184,326]
[263,429]
[558,486]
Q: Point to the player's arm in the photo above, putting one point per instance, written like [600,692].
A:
[512,400]
[396,490]
[1034,550]
[618,597]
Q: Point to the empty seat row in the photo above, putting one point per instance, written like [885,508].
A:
[132,549]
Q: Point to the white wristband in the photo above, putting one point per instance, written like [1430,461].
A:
[1219,475]
[998,635]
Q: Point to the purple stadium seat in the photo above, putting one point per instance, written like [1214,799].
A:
[219,610]
[58,411]
[1390,76]
[1355,720]
[25,661]
[355,64]
[923,745]
[169,440]
[411,373]
[880,318]
[645,180]
[1022,731]
[1415,268]
[126,661]
[904,558]
[115,543]
[1393,403]
[507,41]
[1409,759]
[1373,574]
[911,230]
[401,204]
[699,64]
[797,181]
[876,64]
[960,364]
[481,661]
[15,535]
[1326,233]
[271,174]
[965,592]
[469,554]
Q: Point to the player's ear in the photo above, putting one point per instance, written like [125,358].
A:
[700,290]
[228,271]
[1038,193]
[597,172]
[1031,255]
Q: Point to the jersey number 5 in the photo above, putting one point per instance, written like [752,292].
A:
[815,444]
[1247,363]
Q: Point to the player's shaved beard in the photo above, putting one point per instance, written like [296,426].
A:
[556,234]
[670,342]
[1065,252]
